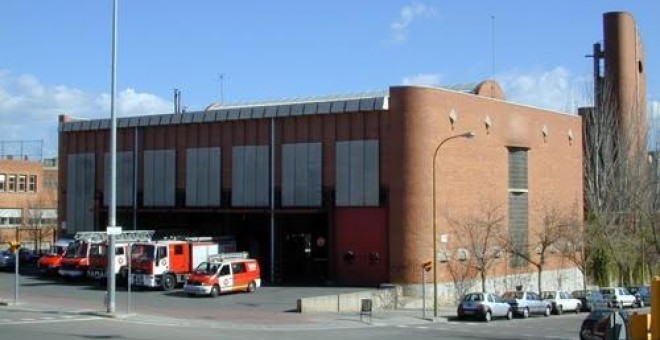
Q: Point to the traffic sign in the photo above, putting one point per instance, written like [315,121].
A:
[113,230]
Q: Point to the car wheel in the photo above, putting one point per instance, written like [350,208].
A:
[578,308]
[548,310]
[509,314]
[252,287]
[560,309]
[168,282]
[487,316]
[214,292]
[525,313]
[640,304]
[619,305]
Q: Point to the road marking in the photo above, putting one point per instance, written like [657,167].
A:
[35,321]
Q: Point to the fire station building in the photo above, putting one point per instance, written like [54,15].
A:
[354,177]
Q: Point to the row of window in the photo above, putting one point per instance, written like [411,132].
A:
[18,183]
[18,221]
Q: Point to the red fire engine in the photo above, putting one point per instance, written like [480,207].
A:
[224,273]
[166,264]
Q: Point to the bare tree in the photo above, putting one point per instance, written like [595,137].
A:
[480,233]
[552,226]
[572,245]
[462,274]
[38,225]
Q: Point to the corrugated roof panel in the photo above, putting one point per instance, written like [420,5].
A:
[97,123]
[144,121]
[245,113]
[297,109]
[198,117]
[283,110]
[176,119]
[352,105]
[221,115]
[133,121]
[154,120]
[86,125]
[324,107]
[258,112]
[367,104]
[338,106]
[66,127]
[105,123]
[271,111]
[309,109]
[379,103]
[186,118]
[209,117]
[165,119]
[233,114]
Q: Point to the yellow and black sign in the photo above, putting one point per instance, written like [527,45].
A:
[428,265]
[14,246]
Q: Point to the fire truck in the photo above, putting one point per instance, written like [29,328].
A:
[98,258]
[51,262]
[75,261]
[168,263]
[223,273]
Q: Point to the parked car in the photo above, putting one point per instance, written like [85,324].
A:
[526,303]
[640,292]
[591,299]
[562,301]
[484,306]
[603,324]
[7,260]
[618,297]
[28,256]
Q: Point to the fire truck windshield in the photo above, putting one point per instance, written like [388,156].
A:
[77,249]
[142,251]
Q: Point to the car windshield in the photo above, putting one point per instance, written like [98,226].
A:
[549,295]
[607,291]
[513,295]
[207,268]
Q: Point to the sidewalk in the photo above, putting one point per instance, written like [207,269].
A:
[250,321]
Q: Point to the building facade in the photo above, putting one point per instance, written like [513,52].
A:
[351,176]
[28,202]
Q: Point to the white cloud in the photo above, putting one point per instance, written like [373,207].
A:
[29,110]
[556,89]
[431,79]
[409,13]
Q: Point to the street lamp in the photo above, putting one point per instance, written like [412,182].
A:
[468,134]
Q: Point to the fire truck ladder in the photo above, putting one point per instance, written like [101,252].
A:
[216,258]
[124,237]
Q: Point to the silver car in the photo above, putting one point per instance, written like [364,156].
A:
[527,303]
[484,306]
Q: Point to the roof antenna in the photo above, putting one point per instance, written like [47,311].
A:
[492,57]
[221,80]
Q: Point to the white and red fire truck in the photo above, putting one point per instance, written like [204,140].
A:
[167,264]
[223,273]
[98,258]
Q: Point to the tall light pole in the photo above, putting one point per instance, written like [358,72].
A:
[468,134]
[112,223]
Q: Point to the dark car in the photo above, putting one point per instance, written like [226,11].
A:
[591,299]
[7,260]
[642,295]
[605,324]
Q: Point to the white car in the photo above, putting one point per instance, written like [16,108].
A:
[562,301]
[618,297]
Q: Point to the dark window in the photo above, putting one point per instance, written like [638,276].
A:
[238,268]
[11,183]
[32,183]
[3,178]
[178,249]
[224,270]
[22,179]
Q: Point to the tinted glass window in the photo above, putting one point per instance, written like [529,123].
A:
[224,270]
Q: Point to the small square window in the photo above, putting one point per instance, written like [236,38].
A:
[178,249]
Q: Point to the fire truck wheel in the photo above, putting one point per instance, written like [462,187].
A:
[214,292]
[252,287]
[168,282]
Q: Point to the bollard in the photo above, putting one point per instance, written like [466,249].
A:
[655,308]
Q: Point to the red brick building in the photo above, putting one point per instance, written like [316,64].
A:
[28,202]
[353,194]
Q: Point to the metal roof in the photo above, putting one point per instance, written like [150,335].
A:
[288,107]
[337,104]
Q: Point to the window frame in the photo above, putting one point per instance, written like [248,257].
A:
[11,183]
[32,183]
[3,182]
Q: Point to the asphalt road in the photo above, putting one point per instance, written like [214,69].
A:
[266,314]
[55,326]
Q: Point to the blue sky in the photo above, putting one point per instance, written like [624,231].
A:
[56,54]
